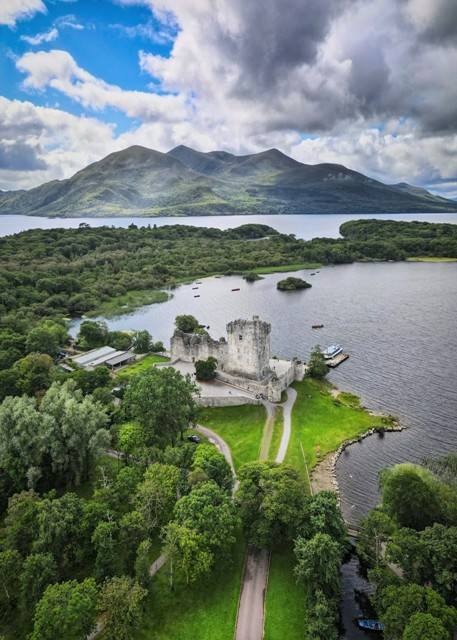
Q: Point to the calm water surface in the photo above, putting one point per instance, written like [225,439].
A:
[303,226]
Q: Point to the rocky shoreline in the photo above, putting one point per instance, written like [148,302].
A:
[323,476]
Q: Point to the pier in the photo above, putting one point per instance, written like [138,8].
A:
[337,360]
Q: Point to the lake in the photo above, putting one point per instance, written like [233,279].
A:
[303,226]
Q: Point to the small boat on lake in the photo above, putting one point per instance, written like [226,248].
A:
[369,625]
[197,296]
[317,326]
[194,288]
[238,289]
[332,351]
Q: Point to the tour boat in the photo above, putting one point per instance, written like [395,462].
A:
[369,625]
[332,351]
[317,326]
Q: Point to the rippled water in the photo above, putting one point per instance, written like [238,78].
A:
[397,321]
[303,226]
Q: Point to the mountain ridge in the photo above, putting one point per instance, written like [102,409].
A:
[145,182]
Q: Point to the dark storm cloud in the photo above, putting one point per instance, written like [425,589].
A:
[276,37]
[440,27]
[20,157]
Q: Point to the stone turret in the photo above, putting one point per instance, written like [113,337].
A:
[248,348]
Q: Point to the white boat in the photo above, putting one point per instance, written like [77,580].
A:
[332,351]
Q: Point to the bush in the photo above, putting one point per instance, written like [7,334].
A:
[206,369]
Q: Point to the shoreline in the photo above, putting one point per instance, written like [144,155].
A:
[323,475]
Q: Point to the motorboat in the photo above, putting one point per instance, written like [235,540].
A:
[332,351]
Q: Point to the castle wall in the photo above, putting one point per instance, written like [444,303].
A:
[248,352]
[191,347]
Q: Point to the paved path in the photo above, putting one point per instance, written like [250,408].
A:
[250,612]
[251,608]
[223,447]
[287,428]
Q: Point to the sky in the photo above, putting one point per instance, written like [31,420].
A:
[371,84]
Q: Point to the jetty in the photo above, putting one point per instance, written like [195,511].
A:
[337,360]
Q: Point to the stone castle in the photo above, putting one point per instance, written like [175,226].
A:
[243,359]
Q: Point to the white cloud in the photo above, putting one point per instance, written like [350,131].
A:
[13,10]
[39,38]
[58,70]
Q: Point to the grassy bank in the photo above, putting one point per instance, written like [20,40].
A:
[206,611]
[128,303]
[241,428]
[142,365]
[430,259]
[320,423]
[288,267]
[285,600]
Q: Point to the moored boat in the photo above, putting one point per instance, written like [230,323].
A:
[317,326]
[332,351]
[369,625]
[238,289]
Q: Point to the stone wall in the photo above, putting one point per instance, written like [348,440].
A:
[190,347]
[226,401]
[248,352]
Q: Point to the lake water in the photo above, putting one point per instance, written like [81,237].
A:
[303,226]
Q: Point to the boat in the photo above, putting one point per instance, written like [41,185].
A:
[332,351]
[236,289]
[193,288]
[369,625]
[317,326]
[197,296]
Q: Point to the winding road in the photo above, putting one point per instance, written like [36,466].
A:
[251,609]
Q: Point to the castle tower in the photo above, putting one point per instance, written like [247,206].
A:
[248,348]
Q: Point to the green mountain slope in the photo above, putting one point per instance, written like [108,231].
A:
[141,181]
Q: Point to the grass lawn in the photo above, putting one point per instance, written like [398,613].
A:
[320,421]
[203,611]
[287,267]
[277,434]
[285,599]
[129,302]
[430,259]
[241,428]
[142,365]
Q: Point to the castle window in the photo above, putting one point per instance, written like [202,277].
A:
[240,337]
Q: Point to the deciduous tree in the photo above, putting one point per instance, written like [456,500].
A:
[121,602]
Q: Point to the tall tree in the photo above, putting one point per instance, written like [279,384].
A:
[75,432]
[186,323]
[162,401]
[186,551]
[424,626]
[121,601]
[323,515]
[38,571]
[10,569]
[157,495]
[66,610]
[375,530]
[317,367]
[209,511]
[142,341]
[34,372]
[92,334]
[215,466]
[271,501]
[318,564]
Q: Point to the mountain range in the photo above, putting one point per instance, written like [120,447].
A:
[143,182]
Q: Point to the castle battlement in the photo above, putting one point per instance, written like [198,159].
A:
[243,359]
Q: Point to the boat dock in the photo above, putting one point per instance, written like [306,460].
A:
[337,360]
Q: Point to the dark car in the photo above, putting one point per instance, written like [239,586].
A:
[193,438]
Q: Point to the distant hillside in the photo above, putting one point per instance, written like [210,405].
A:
[143,182]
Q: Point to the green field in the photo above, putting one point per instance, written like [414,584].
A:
[206,611]
[241,428]
[128,302]
[140,366]
[285,599]
[277,434]
[319,421]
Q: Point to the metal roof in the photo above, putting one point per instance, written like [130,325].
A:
[101,354]
[121,357]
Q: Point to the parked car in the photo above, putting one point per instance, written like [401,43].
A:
[194,438]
